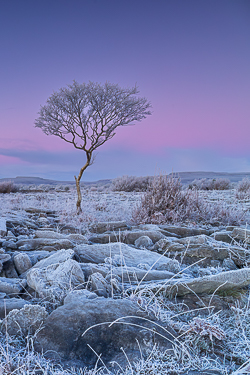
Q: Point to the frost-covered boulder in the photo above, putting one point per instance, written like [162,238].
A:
[56,258]
[22,262]
[8,304]
[49,234]
[241,234]
[185,231]
[143,242]
[12,286]
[102,227]
[80,324]
[121,253]
[25,320]
[208,284]
[54,281]
[77,238]
[128,237]
[99,285]
[44,244]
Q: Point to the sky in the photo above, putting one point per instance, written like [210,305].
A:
[189,58]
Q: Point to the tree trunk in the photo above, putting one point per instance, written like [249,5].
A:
[79,196]
[78,188]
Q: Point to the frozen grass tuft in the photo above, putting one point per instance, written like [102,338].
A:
[211,184]
[8,187]
[166,201]
[131,183]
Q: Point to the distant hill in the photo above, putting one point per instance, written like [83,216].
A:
[43,181]
[186,178]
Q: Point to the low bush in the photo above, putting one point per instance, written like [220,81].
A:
[166,201]
[131,183]
[210,184]
[244,186]
[7,187]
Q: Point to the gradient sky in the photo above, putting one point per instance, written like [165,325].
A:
[189,58]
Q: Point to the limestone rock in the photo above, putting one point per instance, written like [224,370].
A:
[241,234]
[207,284]
[123,254]
[81,295]
[185,231]
[229,263]
[37,255]
[161,245]
[25,320]
[68,330]
[108,226]
[143,242]
[99,285]
[9,269]
[77,238]
[128,237]
[8,304]
[53,282]
[22,262]
[44,244]
[48,234]
[56,258]
[223,236]
[134,274]
[9,244]
[12,286]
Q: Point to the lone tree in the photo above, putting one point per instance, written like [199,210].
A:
[87,116]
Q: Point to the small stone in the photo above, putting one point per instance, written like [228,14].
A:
[143,242]
[8,304]
[22,262]
[99,285]
[229,264]
[12,286]
[24,321]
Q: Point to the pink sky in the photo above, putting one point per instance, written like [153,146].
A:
[190,59]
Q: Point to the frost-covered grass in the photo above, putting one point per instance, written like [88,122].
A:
[96,206]
[219,341]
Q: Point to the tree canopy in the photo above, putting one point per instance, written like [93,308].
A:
[87,115]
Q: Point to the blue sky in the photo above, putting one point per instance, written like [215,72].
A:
[189,58]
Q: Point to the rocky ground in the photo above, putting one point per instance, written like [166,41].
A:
[96,291]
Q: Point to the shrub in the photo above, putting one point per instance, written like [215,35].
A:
[211,184]
[131,183]
[7,187]
[244,185]
[165,201]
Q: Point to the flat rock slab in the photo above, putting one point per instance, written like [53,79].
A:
[64,329]
[54,281]
[122,254]
[12,286]
[102,227]
[185,231]
[59,256]
[128,237]
[9,304]
[207,284]
[49,234]
[241,234]
[44,244]
[24,321]
[133,274]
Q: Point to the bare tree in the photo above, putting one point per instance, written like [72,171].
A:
[87,116]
